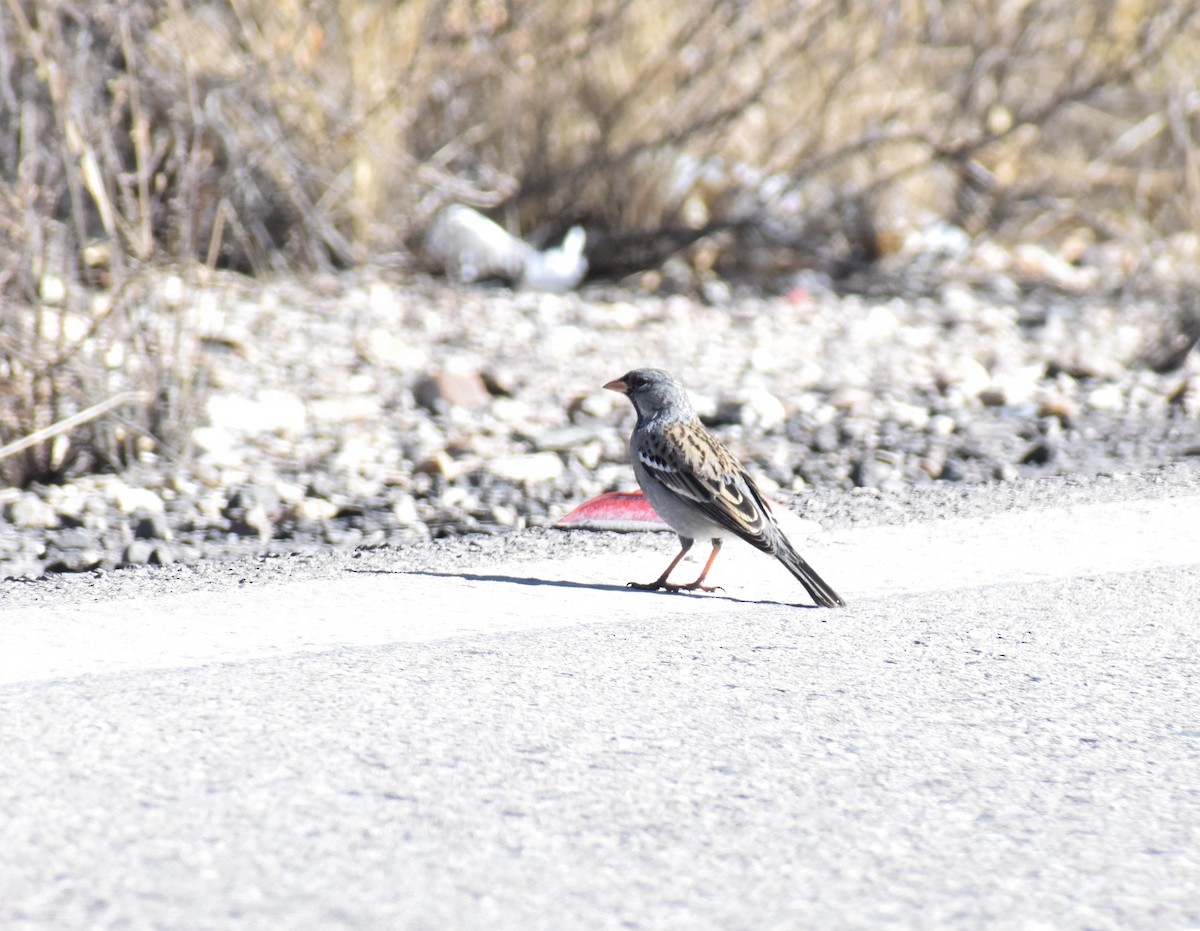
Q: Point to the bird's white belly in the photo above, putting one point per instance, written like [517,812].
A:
[679,514]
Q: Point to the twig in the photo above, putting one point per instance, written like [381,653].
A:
[70,423]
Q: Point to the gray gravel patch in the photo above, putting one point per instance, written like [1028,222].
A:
[359,411]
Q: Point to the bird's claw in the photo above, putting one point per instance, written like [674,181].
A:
[648,586]
[671,587]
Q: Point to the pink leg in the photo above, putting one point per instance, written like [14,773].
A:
[699,583]
[661,581]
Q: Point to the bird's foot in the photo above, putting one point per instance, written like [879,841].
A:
[662,585]
[698,587]
[652,586]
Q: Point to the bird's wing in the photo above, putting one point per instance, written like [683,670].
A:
[692,463]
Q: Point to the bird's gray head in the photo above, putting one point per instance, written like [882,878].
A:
[655,394]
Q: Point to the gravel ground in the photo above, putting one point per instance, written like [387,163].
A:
[360,411]
[832,507]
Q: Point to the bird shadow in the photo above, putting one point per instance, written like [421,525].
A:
[565,583]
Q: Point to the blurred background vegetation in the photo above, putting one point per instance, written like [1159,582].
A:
[292,135]
[269,136]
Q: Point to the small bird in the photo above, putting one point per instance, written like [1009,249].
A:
[697,486]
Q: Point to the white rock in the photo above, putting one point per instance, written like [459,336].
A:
[589,454]
[1033,261]
[31,511]
[1021,386]
[350,409]
[383,299]
[761,410]
[513,411]
[910,415]
[960,300]
[969,374]
[405,510]
[941,425]
[529,469]
[357,453]
[129,499]
[1108,397]
[396,350]
[172,290]
[880,323]
[52,289]
[945,239]
[317,509]
[217,446]
[505,516]
[272,411]
[289,492]
[622,315]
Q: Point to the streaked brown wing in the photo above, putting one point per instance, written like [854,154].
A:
[694,464]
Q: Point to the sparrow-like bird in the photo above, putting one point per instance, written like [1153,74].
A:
[697,486]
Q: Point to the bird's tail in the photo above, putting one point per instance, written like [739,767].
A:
[817,587]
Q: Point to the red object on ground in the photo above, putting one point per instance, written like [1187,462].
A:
[613,510]
[630,511]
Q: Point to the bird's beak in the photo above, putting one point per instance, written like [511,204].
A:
[617,385]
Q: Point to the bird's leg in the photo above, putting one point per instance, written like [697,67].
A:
[661,581]
[699,583]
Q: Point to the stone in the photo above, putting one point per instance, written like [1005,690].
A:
[826,439]
[1059,406]
[315,509]
[528,469]
[1038,454]
[218,446]
[912,416]
[129,499]
[137,553]
[82,560]
[952,471]
[761,410]
[440,390]
[1109,398]
[273,411]
[969,374]
[1005,472]
[31,511]
[404,510]
[880,470]
[161,555]
[942,425]
[565,439]
[250,509]
[151,526]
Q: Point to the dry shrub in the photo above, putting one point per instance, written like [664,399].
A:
[97,383]
[262,134]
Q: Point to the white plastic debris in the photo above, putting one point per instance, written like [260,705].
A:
[470,248]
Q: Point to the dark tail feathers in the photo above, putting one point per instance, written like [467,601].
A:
[817,587]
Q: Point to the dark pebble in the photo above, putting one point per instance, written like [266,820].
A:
[137,553]
[84,560]
[151,527]
[825,439]
[1038,454]
[952,471]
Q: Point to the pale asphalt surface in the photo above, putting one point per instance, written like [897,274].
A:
[1002,730]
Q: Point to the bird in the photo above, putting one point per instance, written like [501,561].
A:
[698,487]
